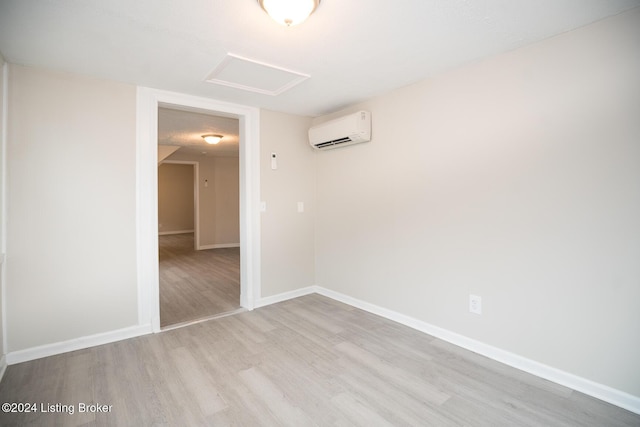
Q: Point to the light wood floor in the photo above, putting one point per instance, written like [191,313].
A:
[310,361]
[196,284]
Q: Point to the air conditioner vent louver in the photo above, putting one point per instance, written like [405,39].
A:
[334,142]
[346,130]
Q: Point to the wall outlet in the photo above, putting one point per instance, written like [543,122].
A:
[475,304]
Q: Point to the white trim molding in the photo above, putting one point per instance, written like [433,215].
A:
[219,246]
[605,393]
[76,344]
[3,366]
[274,299]
[148,101]
[599,391]
[168,233]
[3,212]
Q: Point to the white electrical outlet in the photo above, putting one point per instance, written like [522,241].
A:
[475,304]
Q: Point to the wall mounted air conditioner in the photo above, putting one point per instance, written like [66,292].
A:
[346,130]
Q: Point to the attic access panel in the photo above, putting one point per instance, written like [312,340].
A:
[254,76]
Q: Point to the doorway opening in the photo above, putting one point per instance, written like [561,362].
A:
[198,216]
[149,103]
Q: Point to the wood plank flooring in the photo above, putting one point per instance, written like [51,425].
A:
[196,284]
[310,361]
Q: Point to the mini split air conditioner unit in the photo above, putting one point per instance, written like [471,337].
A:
[351,129]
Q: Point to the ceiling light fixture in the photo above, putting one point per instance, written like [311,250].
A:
[212,139]
[289,12]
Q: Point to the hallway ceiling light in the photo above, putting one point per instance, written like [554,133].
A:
[289,12]
[212,139]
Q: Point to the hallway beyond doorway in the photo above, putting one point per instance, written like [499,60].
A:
[196,284]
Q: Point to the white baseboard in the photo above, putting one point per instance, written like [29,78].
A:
[219,246]
[76,344]
[121,334]
[3,366]
[284,296]
[583,385]
[166,233]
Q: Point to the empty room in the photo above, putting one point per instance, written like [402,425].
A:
[320,212]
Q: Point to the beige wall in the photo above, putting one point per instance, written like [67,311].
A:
[219,188]
[71,247]
[71,198]
[222,201]
[287,236]
[175,198]
[516,179]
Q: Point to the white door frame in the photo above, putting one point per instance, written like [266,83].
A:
[148,101]
[196,196]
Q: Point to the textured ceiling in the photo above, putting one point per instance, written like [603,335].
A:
[185,129]
[351,49]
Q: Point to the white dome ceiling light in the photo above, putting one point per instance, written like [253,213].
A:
[212,139]
[289,12]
